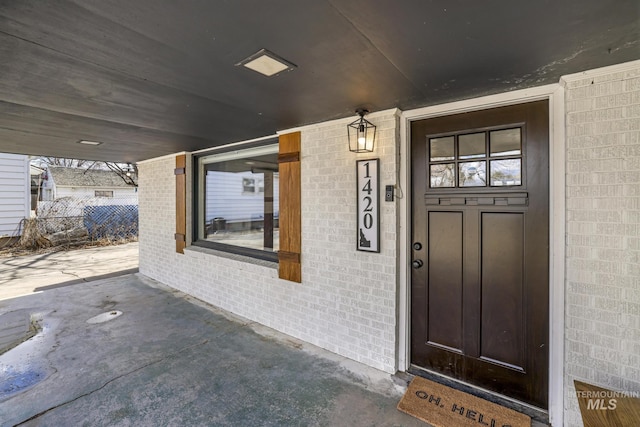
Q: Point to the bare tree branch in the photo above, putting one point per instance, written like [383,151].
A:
[127,172]
[61,161]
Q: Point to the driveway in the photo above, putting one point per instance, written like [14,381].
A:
[23,275]
[127,351]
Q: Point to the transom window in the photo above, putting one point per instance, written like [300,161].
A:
[237,207]
[479,159]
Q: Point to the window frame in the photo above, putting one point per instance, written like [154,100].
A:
[107,193]
[198,201]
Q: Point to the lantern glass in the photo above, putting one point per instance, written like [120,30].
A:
[362,135]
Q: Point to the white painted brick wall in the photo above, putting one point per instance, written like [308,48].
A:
[346,302]
[602,344]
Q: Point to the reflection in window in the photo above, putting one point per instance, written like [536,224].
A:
[473,174]
[239,200]
[248,185]
[442,148]
[506,172]
[443,175]
[472,146]
[505,142]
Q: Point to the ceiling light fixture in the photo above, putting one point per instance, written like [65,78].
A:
[85,142]
[266,63]
[361,133]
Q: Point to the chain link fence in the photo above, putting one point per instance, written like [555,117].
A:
[72,221]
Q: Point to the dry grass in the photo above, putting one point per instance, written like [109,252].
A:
[19,250]
[31,238]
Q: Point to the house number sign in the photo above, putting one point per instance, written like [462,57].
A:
[367,172]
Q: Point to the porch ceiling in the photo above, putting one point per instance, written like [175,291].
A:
[149,77]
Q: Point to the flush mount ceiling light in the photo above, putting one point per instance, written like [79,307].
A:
[85,142]
[266,63]
[361,133]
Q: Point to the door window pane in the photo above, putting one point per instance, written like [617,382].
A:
[441,148]
[506,172]
[471,146]
[443,175]
[473,174]
[505,142]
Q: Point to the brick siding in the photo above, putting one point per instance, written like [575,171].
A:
[602,341]
[346,302]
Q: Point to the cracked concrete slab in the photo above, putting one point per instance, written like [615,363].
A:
[172,360]
[23,275]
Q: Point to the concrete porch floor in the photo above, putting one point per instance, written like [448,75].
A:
[170,360]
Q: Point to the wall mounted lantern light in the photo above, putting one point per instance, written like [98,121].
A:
[362,134]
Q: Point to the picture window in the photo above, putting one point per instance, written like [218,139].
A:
[237,208]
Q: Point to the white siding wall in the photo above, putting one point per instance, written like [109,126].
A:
[15,192]
[346,302]
[603,233]
[226,199]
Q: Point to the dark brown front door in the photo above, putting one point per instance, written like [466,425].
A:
[480,248]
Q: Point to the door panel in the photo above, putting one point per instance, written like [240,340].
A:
[479,300]
[445,277]
[502,328]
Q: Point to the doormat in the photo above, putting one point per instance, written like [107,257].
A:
[442,406]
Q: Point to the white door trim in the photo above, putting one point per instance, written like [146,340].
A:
[555,94]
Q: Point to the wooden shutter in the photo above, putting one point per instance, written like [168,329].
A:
[290,222]
[181,203]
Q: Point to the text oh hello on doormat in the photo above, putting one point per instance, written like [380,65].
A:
[442,406]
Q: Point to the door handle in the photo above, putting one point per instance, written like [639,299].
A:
[417,263]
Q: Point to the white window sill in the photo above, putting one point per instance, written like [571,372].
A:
[232,256]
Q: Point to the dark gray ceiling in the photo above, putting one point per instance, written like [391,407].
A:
[151,77]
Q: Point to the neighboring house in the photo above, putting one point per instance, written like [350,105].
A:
[62,182]
[97,200]
[14,193]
